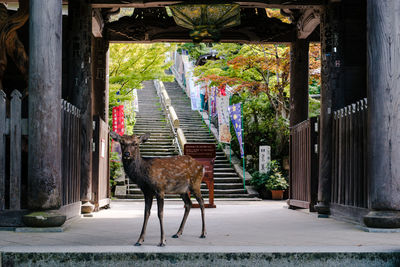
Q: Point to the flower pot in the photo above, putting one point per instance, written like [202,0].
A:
[277,194]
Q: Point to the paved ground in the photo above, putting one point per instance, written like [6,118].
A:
[232,226]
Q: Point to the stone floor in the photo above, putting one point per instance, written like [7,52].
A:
[233,226]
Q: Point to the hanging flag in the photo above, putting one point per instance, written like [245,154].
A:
[213,101]
[135,101]
[194,94]
[222,91]
[118,118]
[224,134]
[236,117]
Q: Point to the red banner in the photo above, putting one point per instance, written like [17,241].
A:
[118,119]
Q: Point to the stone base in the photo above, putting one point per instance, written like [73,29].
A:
[322,208]
[87,207]
[44,219]
[382,219]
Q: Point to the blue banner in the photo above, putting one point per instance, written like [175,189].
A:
[235,112]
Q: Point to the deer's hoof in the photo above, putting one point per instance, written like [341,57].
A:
[138,244]
[162,244]
[203,236]
[175,236]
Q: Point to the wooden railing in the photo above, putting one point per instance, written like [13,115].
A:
[71,153]
[303,179]
[14,151]
[349,158]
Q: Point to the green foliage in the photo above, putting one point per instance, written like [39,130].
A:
[314,107]
[260,128]
[132,64]
[258,180]
[275,180]
[194,50]
[116,169]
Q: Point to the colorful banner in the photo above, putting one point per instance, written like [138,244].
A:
[224,134]
[118,118]
[236,117]
[212,105]
[195,94]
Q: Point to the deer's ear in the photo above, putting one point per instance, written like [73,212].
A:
[115,136]
[144,138]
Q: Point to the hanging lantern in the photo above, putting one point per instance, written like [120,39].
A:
[206,21]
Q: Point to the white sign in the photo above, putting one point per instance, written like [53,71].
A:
[265,158]
[103,148]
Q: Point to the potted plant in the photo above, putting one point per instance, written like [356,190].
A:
[276,183]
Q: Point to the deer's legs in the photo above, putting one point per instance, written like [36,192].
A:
[160,206]
[148,201]
[199,198]
[188,205]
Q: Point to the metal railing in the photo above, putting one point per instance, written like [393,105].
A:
[179,137]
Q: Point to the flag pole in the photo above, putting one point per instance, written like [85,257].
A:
[230,143]
[244,165]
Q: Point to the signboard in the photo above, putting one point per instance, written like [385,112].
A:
[103,148]
[205,154]
[200,150]
[264,158]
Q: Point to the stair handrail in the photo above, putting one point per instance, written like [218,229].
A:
[173,119]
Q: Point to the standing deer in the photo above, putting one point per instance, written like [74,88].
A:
[158,176]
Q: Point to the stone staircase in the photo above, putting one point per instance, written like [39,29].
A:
[151,118]
[227,184]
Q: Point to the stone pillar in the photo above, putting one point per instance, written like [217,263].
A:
[80,85]
[383,113]
[44,159]
[299,81]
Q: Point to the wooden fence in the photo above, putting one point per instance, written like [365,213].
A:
[71,153]
[14,149]
[303,179]
[349,158]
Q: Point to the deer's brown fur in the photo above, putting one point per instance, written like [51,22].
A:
[158,176]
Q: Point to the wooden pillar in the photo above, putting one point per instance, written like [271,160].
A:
[80,85]
[330,52]
[383,113]
[44,159]
[100,78]
[298,81]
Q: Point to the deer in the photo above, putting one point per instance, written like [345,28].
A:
[158,176]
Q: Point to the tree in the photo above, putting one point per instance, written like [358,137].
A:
[132,64]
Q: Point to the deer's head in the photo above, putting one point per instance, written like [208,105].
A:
[129,144]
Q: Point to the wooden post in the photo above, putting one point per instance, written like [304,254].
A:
[44,159]
[80,85]
[383,113]
[329,47]
[298,81]
[15,151]
[100,78]
[2,149]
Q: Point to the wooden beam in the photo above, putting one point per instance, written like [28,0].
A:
[308,21]
[299,81]
[97,23]
[294,4]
